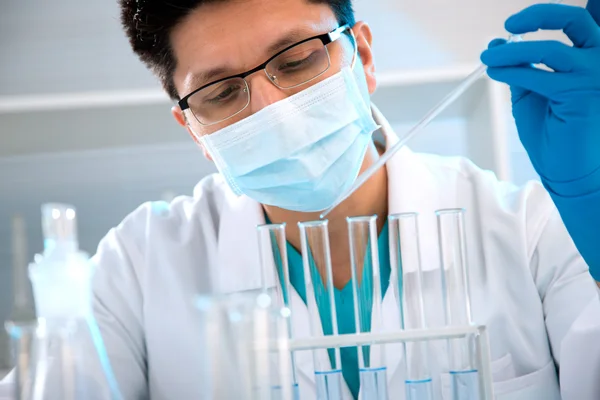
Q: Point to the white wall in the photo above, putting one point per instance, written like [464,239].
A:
[73,45]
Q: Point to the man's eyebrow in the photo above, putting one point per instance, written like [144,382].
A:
[294,36]
[290,38]
[205,77]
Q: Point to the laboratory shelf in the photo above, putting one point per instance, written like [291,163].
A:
[78,100]
[137,97]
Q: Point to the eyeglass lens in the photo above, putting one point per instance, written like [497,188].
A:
[294,67]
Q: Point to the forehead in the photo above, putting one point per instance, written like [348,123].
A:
[235,35]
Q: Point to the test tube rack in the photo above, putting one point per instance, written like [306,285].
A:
[479,332]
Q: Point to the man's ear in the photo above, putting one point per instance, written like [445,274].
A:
[181,120]
[364,40]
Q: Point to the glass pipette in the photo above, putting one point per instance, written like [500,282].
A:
[426,120]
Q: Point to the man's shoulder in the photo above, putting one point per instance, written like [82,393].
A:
[159,220]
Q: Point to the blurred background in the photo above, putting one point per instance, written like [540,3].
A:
[83,122]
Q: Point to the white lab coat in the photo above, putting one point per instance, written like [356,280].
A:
[529,284]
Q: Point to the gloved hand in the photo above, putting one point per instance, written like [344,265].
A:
[558,113]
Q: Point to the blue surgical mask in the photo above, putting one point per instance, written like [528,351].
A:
[302,152]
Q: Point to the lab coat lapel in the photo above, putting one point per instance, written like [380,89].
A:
[237,268]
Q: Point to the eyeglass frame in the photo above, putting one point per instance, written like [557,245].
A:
[325,38]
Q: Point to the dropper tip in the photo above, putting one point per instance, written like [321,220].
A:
[325,213]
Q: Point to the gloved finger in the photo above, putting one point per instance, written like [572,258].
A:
[496,43]
[545,83]
[556,55]
[516,92]
[576,22]
[593,8]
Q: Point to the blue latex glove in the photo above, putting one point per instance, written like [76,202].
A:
[558,113]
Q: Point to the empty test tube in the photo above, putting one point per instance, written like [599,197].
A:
[318,278]
[405,262]
[274,268]
[366,286]
[457,302]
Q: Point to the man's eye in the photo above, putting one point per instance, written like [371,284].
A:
[292,65]
[224,95]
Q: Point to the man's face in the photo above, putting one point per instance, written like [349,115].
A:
[221,39]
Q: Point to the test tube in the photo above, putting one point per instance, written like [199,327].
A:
[405,262]
[272,247]
[366,287]
[318,278]
[457,302]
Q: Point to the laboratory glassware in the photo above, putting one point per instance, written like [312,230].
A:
[246,348]
[227,343]
[457,302]
[447,101]
[272,249]
[405,262]
[366,287]
[318,278]
[274,361]
[62,355]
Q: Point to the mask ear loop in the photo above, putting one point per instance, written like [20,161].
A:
[355,45]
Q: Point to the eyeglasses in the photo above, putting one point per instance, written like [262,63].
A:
[294,66]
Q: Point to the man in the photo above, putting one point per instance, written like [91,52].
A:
[276,93]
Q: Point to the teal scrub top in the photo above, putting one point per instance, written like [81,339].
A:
[344,304]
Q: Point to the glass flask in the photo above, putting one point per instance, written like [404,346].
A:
[61,354]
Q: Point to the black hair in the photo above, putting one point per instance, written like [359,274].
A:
[149,23]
